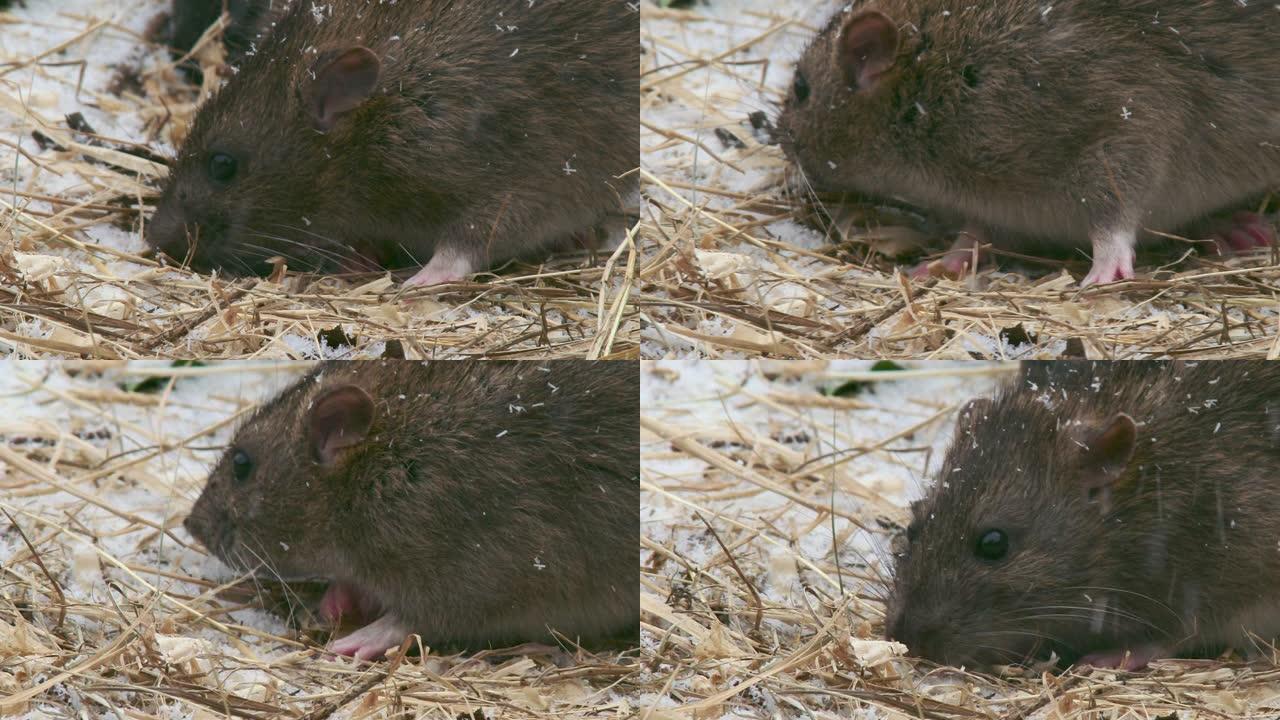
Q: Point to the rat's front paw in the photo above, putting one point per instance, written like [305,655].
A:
[1128,660]
[372,641]
[1245,232]
[1112,258]
[344,601]
[445,267]
[964,256]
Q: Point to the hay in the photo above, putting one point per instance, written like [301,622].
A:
[751,609]
[732,264]
[106,611]
[76,280]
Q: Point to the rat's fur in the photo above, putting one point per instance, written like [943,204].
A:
[1060,122]
[488,503]
[495,130]
[1177,553]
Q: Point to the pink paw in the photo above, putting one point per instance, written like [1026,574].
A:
[1247,231]
[444,267]
[1112,258]
[1127,660]
[1103,273]
[372,641]
[344,601]
[954,263]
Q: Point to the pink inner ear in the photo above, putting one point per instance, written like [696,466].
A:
[339,419]
[1109,451]
[342,84]
[868,47]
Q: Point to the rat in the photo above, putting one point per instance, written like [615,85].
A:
[365,133]
[472,503]
[1048,122]
[1106,513]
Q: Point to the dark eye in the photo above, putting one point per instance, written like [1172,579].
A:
[241,465]
[222,168]
[992,545]
[801,87]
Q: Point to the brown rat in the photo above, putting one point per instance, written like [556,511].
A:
[1055,122]
[1093,509]
[368,132]
[471,503]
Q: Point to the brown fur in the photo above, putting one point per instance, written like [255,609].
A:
[472,475]
[1007,116]
[1182,551]
[464,144]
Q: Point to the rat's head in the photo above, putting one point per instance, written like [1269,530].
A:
[1010,554]
[275,495]
[855,114]
[267,169]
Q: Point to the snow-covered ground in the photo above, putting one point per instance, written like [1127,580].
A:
[95,39]
[752,448]
[775,414]
[98,479]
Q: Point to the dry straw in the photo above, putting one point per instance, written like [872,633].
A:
[62,294]
[733,512]
[719,276]
[165,644]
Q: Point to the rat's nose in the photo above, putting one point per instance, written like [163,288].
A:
[924,637]
[167,231]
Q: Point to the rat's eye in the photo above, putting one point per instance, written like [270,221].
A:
[222,168]
[241,465]
[801,87]
[992,545]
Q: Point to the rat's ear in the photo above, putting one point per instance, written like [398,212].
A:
[973,412]
[866,47]
[1108,450]
[338,419]
[341,83]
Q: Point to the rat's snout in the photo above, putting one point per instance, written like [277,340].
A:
[196,528]
[168,233]
[210,529]
[925,637]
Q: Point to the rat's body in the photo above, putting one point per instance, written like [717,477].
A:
[363,132]
[472,503]
[1091,509]
[1066,122]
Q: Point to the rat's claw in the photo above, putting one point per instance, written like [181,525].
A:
[372,641]
[1112,258]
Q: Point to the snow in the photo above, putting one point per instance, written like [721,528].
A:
[732,91]
[73,80]
[161,446]
[722,400]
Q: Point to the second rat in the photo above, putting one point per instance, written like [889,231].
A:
[472,503]
[1103,513]
[1067,122]
[453,135]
